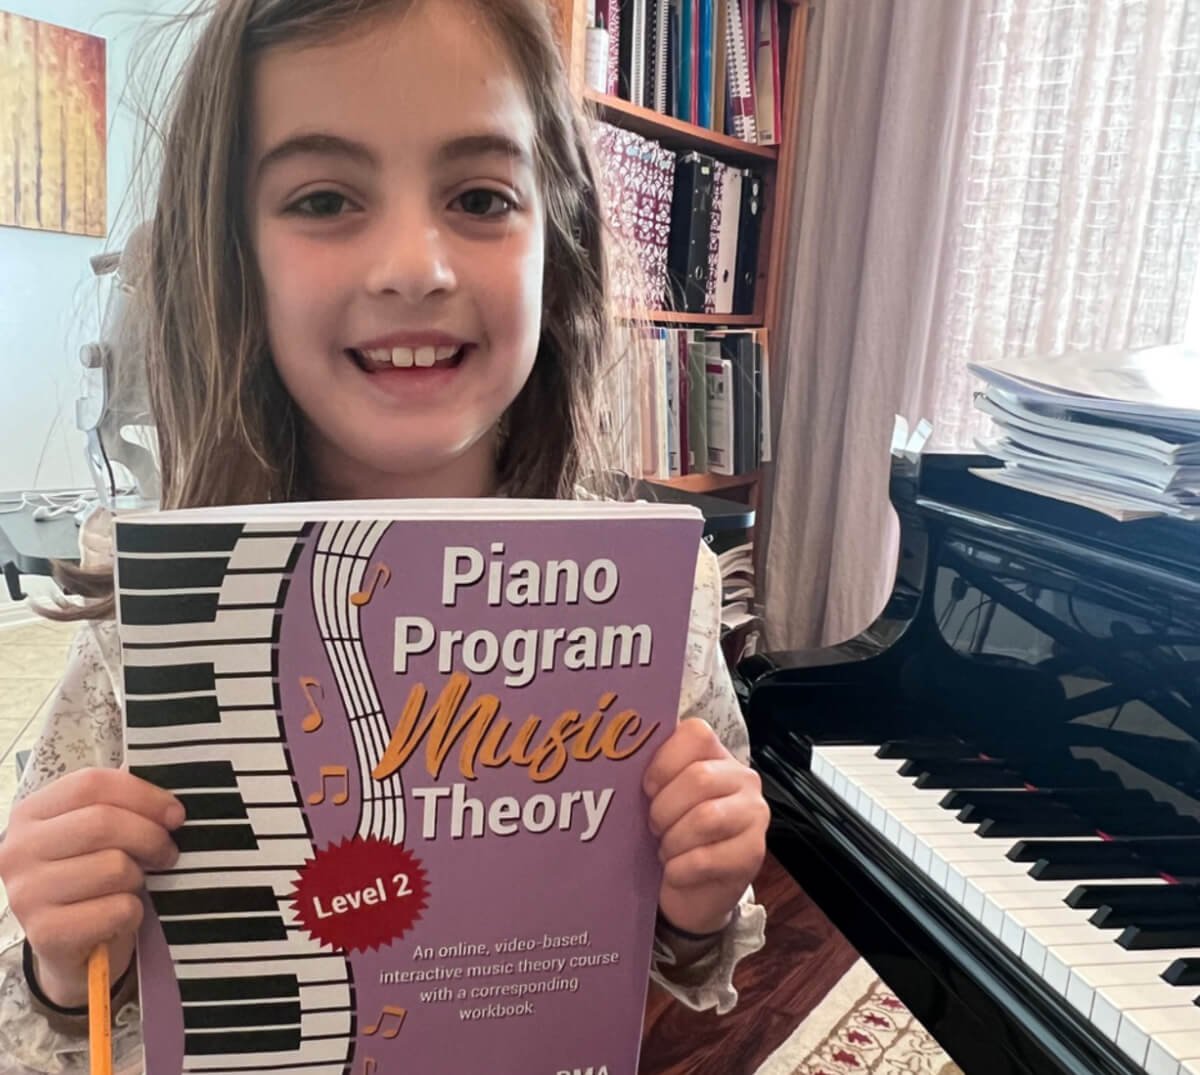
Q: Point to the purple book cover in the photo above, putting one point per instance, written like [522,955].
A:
[410,739]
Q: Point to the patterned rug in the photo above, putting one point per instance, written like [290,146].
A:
[860,1027]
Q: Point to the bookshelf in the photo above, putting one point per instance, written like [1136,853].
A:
[774,162]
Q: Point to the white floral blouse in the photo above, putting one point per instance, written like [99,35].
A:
[82,727]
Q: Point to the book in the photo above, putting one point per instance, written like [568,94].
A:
[721,436]
[410,737]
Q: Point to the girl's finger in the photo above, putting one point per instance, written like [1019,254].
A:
[692,741]
[69,933]
[698,783]
[102,827]
[711,822]
[90,787]
[733,862]
[102,873]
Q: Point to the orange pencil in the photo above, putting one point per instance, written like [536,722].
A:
[99,1015]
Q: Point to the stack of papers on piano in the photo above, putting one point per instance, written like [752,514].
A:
[1118,432]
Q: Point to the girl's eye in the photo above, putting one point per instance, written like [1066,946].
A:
[485,203]
[322,203]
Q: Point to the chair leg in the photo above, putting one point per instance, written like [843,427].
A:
[13,578]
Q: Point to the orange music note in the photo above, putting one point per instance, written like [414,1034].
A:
[332,772]
[363,597]
[314,719]
[388,1012]
[369,1066]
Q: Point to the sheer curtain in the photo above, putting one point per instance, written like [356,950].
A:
[1077,215]
[979,178]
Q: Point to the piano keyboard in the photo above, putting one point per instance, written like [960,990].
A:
[1111,923]
[283,1003]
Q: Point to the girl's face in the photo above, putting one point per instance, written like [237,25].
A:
[399,234]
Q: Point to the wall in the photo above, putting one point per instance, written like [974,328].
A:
[50,302]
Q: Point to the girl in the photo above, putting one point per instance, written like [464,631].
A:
[377,269]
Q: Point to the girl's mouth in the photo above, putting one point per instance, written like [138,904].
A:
[409,358]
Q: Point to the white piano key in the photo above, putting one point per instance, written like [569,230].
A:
[247,758]
[251,691]
[250,724]
[262,554]
[322,967]
[291,853]
[1028,916]
[281,881]
[1180,1049]
[244,659]
[258,589]
[277,821]
[266,789]
[331,1051]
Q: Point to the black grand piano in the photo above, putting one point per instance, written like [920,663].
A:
[994,792]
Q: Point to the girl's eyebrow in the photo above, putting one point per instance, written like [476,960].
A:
[317,144]
[490,144]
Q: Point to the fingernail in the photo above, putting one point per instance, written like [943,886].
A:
[176,815]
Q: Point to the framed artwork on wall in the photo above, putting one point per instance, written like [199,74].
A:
[53,128]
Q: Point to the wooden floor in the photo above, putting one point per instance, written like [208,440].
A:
[803,959]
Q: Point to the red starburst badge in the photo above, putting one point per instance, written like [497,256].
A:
[360,894]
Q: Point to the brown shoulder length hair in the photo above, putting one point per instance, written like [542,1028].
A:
[228,432]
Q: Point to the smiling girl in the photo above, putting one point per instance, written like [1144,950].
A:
[377,270]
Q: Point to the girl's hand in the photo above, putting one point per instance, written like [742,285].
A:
[709,814]
[72,862]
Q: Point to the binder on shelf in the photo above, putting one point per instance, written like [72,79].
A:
[687,257]
[749,237]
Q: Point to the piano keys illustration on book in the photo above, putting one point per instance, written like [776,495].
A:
[254,660]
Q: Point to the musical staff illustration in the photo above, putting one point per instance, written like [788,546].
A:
[338,773]
[382,576]
[388,1012]
[313,720]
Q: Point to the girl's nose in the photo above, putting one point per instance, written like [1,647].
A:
[411,262]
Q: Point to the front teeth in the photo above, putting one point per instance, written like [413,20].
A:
[408,357]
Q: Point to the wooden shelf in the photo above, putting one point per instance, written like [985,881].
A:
[709,483]
[671,317]
[676,134]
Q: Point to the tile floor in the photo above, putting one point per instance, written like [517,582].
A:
[32,657]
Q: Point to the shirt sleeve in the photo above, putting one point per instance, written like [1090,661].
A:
[80,728]
[701,976]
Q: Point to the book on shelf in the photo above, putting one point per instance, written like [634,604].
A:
[410,738]
[664,416]
[712,63]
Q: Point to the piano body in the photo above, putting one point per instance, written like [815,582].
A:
[994,791]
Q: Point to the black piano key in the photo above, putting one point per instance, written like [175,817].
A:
[962,774]
[1046,870]
[1125,895]
[1161,932]
[257,987]
[1075,851]
[1149,899]
[168,678]
[204,901]
[185,931]
[900,749]
[170,608]
[195,774]
[1183,972]
[211,806]
[249,1041]
[1168,853]
[170,712]
[1031,827]
[219,1016]
[215,838]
